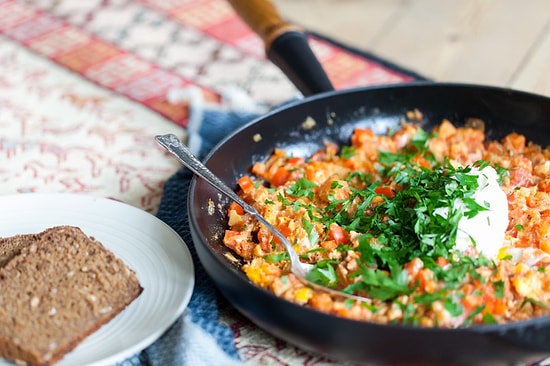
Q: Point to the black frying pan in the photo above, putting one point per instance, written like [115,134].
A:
[336,115]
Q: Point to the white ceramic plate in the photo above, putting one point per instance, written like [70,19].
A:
[151,248]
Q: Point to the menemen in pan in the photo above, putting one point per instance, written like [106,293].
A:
[437,228]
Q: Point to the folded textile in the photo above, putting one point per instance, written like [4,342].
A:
[209,123]
[197,338]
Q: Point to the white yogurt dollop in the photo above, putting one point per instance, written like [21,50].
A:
[486,230]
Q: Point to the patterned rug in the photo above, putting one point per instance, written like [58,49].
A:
[142,49]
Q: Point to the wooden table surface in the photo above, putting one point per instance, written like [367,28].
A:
[493,42]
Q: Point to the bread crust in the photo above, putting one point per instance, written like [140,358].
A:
[12,246]
[58,287]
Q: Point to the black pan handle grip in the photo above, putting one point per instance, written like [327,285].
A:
[292,54]
[286,45]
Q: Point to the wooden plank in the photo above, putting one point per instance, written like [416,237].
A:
[534,75]
[478,41]
[353,22]
[495,42]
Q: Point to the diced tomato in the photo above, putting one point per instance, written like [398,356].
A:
[337,233]
[499,307]
[284,230]
[310,172]
[385,191]
[467,288]
[425,280]
[544,185]
[265,237]
[280,177]
[295,160]
[419,275]
[413,267]
[246,183]
[420,160]
[236,207]
[350,163]
[442,261]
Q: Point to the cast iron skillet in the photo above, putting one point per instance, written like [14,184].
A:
[336,115]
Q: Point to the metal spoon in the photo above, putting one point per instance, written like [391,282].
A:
[171,143]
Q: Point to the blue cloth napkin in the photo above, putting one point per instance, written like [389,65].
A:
[197,338]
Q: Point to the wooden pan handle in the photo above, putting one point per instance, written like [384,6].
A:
[263,18]
[286,45]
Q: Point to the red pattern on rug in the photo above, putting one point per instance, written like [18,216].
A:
[109,65]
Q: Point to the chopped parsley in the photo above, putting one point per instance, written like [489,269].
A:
[419,221]
[406,210]
[302,188]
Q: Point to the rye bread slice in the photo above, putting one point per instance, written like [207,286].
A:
[12,246]
[60,287]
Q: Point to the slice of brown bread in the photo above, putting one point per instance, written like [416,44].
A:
[60,287]
[11,246]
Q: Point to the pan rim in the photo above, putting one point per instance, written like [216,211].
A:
[477,328]
[408,85]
